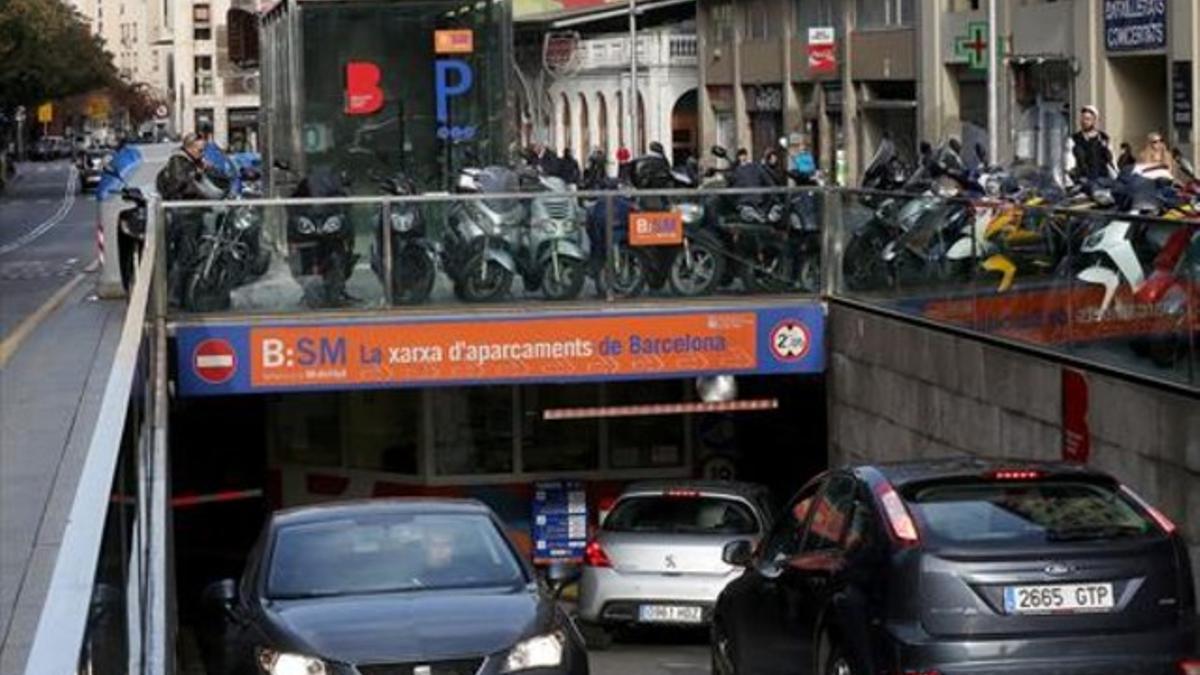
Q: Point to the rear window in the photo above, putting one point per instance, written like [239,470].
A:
[682,515]
[1030,513]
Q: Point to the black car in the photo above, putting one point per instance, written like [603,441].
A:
[957,567]
[381,587]
[91,168]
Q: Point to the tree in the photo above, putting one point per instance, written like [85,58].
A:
[48,52]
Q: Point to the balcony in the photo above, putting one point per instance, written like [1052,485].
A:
[658,49]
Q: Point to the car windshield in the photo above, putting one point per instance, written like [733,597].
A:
[670,514]
[1025,513]
[390,554]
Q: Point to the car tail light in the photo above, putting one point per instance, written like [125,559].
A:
[899,519]
[1015,474]
[681,494]
[1189,667]
[594,555]
[1164,523]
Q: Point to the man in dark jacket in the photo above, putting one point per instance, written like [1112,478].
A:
[1090,155]
[183,179]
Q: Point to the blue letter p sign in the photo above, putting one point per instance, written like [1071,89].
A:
[445,90]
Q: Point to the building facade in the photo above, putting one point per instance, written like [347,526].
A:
[916,70]
[210,90]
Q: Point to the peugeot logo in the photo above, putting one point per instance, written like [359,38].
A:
[1057,569]
[671,562]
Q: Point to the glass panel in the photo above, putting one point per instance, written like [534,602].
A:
[473,430]
[559,445]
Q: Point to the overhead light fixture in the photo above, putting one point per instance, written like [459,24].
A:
[716,388]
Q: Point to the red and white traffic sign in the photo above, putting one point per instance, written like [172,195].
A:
[214,361]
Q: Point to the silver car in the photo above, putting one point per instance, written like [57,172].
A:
[656,559]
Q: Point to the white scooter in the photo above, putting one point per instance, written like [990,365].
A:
[1114,249]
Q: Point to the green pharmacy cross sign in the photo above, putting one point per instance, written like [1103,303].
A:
[974,45]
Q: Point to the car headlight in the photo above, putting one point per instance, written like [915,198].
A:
[243,219]
[543,651]
[273,662]
[332,224]
[305,225]
[403,221]
[691,213]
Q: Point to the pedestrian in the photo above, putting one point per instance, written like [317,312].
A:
[1126,161]
[742,157]
[1090,157]
[1156,157]
[183,178]
[624,166]
[803,166]
[544,159]
[569,168]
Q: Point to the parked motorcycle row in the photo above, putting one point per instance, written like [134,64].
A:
[1134,240]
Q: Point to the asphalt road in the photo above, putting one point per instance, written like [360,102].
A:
[657,653]
[47,236]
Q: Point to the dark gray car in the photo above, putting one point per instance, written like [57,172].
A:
[957,567]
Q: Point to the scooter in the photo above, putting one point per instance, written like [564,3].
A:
[414,257]
[322,235]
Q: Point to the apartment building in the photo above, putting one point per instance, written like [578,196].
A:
[216,77]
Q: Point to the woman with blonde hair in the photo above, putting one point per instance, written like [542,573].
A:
[1155,160]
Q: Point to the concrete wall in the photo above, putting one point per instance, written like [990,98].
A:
[898,391]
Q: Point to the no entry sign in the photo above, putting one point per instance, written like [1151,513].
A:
[214,361]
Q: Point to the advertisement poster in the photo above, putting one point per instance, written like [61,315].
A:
[822,59]
[1135,25]
[559,522]
[481,349]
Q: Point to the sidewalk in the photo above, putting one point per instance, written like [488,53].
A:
[50,393]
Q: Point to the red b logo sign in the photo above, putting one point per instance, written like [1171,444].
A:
[363,95]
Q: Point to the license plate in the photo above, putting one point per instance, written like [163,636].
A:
[669,614]
[1059,599]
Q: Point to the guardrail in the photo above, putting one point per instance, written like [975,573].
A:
[1109,289]
[108,605]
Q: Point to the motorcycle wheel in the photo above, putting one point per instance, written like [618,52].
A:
[864,268]
[699,273]
[568,283]
[484,283]
[626,274]
[413,277]
[206,294]
[771,272]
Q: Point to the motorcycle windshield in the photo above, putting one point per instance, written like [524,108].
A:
[499,180]
[878,166]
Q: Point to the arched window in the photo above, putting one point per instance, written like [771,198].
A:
[602,121]
[564,123]
[585,129]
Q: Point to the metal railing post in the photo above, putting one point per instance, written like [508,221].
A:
[608,260]
[385,251]
[832,226]
[156,226]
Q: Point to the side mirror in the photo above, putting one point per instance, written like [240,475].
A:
[738,553]
[560,575]
[220,597]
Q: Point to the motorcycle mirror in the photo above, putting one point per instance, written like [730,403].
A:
[281,165]
[720,152]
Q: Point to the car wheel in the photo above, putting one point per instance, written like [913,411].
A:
[838,661]
[597,637]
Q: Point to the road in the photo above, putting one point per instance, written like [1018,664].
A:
[666,653]
[47,236]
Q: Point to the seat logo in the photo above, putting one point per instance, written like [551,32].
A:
[671,562]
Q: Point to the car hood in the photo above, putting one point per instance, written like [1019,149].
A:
[404,627]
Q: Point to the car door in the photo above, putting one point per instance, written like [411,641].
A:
[756,620]
[806,579]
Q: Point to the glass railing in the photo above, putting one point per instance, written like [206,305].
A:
[1092,283]
[1103,286]
[288,256]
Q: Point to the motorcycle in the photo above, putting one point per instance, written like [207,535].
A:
[414,258]
[321,236]
[229,254]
